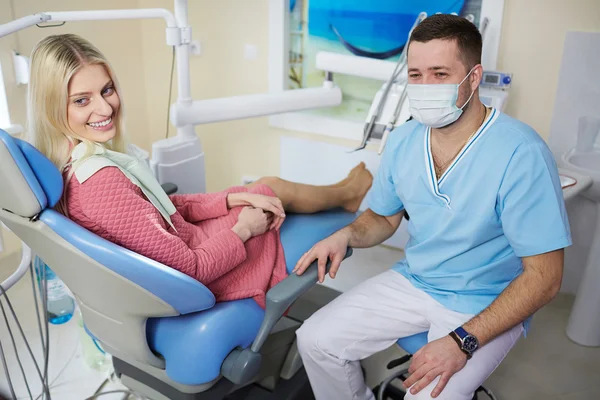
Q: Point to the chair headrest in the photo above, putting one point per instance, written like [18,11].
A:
[29,182]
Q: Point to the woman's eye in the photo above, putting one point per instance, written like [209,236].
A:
[108,91]
[82,101]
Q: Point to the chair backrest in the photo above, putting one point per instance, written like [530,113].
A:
[116,289]
[22,192]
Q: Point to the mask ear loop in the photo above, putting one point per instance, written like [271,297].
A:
[472,92]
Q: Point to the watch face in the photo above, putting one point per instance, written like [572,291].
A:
[470,343]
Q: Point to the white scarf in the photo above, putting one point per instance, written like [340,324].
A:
[136,170]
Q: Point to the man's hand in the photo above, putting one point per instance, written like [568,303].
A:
[440,357]
[334,248]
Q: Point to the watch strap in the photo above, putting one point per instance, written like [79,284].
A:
[460,331]
[458,341]
[454,336]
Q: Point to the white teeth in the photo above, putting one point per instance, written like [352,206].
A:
[100,124]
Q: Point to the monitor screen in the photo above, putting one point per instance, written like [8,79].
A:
[492,79]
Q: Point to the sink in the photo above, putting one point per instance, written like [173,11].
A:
[584,321]
[589,161]
[587,164]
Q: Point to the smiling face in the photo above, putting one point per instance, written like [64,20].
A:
[93,104]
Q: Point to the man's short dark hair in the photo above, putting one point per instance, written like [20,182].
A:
[452,27]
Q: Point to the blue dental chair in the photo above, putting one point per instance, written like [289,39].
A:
[168,337]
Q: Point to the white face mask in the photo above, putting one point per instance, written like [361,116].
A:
[434,105]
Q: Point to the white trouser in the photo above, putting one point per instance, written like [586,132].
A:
[370,318]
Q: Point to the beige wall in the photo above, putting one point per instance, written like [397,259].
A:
[222,27]
[533,34]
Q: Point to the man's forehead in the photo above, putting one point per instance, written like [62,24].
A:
[435,52]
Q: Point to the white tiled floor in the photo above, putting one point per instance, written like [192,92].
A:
[546,365]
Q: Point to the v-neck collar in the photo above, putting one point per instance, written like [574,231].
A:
[434,183]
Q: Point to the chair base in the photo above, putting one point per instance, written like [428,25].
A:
[296,388]
[278,353]
[151,387]
[280,361]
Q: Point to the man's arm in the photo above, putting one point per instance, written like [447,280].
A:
[535,287]
[368,230]
[371,229]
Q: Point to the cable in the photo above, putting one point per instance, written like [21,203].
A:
[12,338]
[46,344]
[52,385]
[98,346]
[128,392]
[59,374]
[45,387]
[170,91]
[47,348]
[10,385]
[37,311]
[35,301]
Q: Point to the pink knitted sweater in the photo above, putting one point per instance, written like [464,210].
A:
[203,245]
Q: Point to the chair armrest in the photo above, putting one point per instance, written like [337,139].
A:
[283,295]
[169,188]
[242,365]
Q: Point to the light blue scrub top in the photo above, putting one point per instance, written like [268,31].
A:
[500,200]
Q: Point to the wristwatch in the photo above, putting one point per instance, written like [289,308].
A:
[466,342]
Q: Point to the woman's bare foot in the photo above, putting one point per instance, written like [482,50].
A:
[358,186]
[351,175]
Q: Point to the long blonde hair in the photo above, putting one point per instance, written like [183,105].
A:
[54,61]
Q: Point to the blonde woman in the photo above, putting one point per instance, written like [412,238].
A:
[228,240]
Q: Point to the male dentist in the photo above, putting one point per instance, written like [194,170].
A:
[487,231]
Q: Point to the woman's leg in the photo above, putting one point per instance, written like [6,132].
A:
[301,198]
